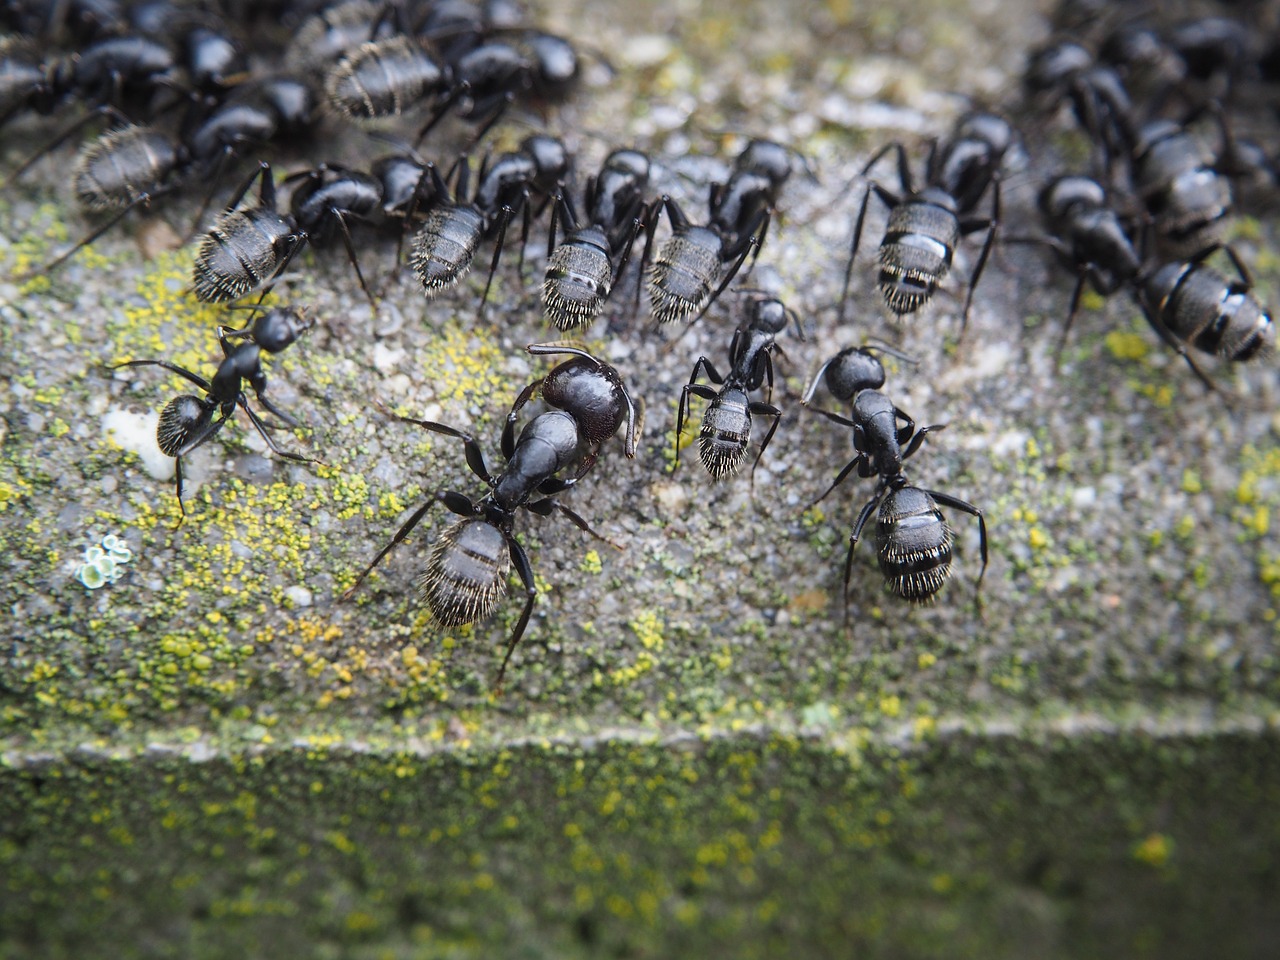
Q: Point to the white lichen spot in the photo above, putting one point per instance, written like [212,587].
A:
[104,564]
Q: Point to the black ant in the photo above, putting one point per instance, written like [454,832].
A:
[187,421]
[486,79]
[246,248]
[1176,176]
[726,423]
[913,541]
[592,254]
[383,79]
[445,246]
[926,224]
[1185,301]
[108,72]
[467,567]
[698,263]
[133,165]
[1064,69]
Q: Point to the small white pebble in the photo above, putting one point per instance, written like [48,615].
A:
[300,596]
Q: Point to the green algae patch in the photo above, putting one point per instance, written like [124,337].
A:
[982,846]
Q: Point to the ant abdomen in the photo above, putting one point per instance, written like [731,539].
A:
[382,79]
[179,419]
[913,544]
[466,572]
[1202,307]
[725,433]
[119,167]
[685,274]
[445,246]
[578,280]
[916,254]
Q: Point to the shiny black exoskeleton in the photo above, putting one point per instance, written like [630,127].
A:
[328,35]
[188,421]
[913,540]
[1064,70]
[326,198]
[123,71]
[1189,302]
[698,262]
[726,422]
[582,268]
[443,249]
[1091,237]
[1175,173]
[384,78]
[926,224]
[467,567]
[589,390]
[489,77]
[246,248]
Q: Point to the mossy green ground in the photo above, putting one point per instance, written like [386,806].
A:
[697,745]
[1093,845]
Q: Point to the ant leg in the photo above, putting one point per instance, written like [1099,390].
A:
[764,410]
[1176,345]
[508,432]
[918,439]
[443,106]
[992,225]
[405,529]
[275,411]
[262,432]
[544,507]
[497,255]
[885,197]
[58,261]
[859,461]
[1071,316]
[475,458]
[521,561]
[199,381]
[957,504]
[351,255]
[177,474]
[1245,276]
[685,409]
[752,241]
[102,111]
[854,537]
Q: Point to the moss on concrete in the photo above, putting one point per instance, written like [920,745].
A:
[252,749]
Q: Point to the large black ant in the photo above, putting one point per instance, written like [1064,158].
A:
[582,268]
[1185,301]
[926,224]
[467,567]
[443,249]
[187,421]
[111,71]
[726,423]
[913,540]
[133,165]
[698,263]
[1190,302]
[1064,70]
